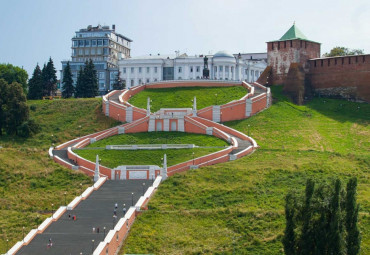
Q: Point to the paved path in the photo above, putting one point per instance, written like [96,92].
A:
[74,237]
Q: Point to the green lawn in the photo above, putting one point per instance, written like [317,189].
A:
[182,97]
[114,158]
[238,206]
[30,182]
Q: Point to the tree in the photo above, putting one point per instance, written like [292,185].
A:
[68,88]
[324,221]
[90,80]
[35,84]
[3,100]
[353,234]
[80,84]
[12,74]
[343,51]
[50,78]
[118,83]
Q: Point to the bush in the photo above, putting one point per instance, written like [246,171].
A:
[28,128]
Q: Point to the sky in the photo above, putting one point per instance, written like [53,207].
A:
[33,31]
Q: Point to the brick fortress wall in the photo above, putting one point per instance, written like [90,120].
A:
[280,54]
[347,77]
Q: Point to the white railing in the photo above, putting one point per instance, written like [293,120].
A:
[149,146]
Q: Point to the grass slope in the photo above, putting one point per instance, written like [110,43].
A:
[182,97]
[30,182]
[238,207]
[114,158]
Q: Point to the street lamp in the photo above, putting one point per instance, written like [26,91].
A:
[23,233]
[193,158]
[7,244]
[79,130]
[65,198]
[216,98]
[143,188]
[132,199]
[92,250]
[248,129]
[152,179]
[52,210]
[81,188]
[104,232]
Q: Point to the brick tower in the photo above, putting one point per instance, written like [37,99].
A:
[292,47]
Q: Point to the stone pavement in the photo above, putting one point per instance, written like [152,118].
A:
[75,237]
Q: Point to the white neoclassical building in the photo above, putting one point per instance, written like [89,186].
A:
[222,66]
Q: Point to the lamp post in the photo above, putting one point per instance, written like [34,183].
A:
[52,210]
[152,179]
[37,221]
[132,199]
[65,198]
[23,233]
[143,188]
[193,158]
[92,249]
[216,99]
[7,245]
[248,129]
[104,232]
[79,131]
[81,188]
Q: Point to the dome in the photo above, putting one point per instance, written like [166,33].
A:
[223,54]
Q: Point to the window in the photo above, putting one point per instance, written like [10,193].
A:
[256,73]
[132,70]
[147,69]
[92,51]
[75,43]
[215,69]
[87,52]
[105,42]
[191,69]
[232,69]
[100,42]
[74,52]
[227,69]
[198,69]
[101,75]
[124,70]
[180,69]
[252,73]
[101,85]
[98,51]
[87,43]
[221,68]
[80,52]
[132,83]
[180,78]
[105,51]
[140,82]
[139,70]
[155,80]
[147,80]
[246,71]
[155,69]
[81,43]
[93,43]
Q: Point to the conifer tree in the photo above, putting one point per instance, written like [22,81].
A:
[306,240]
[90,80]
[289,240]
[353,234]
[50,78]
[68,88]
[35,84]
[80,84]
[118,83]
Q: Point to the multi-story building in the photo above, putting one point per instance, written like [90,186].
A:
[222,66]
[105,47]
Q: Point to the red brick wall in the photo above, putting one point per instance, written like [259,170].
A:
[348,77]
[233,111]
[280,54]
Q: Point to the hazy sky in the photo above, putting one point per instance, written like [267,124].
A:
[31,31]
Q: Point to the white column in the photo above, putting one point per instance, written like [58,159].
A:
[148,107]
[195,106]
[97,172]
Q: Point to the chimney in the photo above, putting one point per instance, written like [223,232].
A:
[114,27]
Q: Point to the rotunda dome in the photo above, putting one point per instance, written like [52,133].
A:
[223,54]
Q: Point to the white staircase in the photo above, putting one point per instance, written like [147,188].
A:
[216,113]
[129,114]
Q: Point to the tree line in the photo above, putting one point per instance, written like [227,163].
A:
[323,221]
[43,82]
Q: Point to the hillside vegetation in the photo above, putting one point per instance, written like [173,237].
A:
[30,182]
[182,97]
[238,207]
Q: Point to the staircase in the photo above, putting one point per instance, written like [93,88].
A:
[216,113]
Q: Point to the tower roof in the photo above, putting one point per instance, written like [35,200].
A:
[293,33]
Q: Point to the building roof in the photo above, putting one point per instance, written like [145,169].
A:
[293,33]
[224,54]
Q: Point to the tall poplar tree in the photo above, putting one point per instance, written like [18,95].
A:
[80,89]
[289,240]
[90,80]
[35,84]
[353,233]
[68,89]
[50,78]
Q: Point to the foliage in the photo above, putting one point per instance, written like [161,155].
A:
[13,108]
[351,221]
[87,81]
[182,97]
[12,74]
[119,84]
[68,89]
[343,51]
[49,78]
[320,220]
[35,84]
[238,207]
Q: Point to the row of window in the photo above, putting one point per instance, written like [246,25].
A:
[88,52]
[140,69]
[90,43]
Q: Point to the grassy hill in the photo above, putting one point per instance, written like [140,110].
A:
[238,206]
[182,97]
[114,158]
[29,181]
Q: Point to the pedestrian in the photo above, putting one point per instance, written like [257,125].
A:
[116,206]
[115,212]
[93,229]
[97,230]
[124,211]
[69,216]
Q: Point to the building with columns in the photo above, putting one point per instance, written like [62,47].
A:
[222,66]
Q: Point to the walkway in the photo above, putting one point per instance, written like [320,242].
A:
[74,237]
